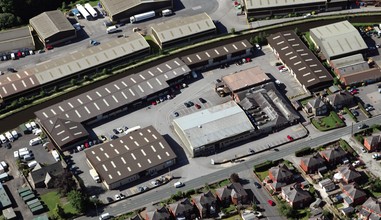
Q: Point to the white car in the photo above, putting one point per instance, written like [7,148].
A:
[117,197]
[356,163]
[363,150]
[16,154]
[120,130]
[283,70]
[376,156]
[257,46]
[257,214]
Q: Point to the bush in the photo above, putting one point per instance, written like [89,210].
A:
[263,166]
[303,152]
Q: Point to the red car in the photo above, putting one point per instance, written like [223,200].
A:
[271,202]
[153,103]
[197,106]
[49,47]
[290,138]
[281,67]
[354,91]
[87,145]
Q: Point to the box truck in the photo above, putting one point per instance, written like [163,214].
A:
[91,10]
[166,12]
[9,136]
[143,16]
[83,12]
[95,175]
[111,29]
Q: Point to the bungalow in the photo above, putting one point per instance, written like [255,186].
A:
[311,164]
[158,214]
[205,203]
[341,99]
[334,155]
[183,209]
[296,196]
[280,176]
[347,174]
[353,196]
[373,142]
[371,209]
[316,106]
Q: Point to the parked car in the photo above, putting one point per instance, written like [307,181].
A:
[49,47]
[12,70]
[187,104]
[117,197]
[364,150]
[103,138]
[176,114]
[355,113]
[197,106]
[290,138]
[202,100]
[113,137]
[271,202]
[283,70]
[94,42]
[120,130]
[115,131]
[191,103]
[280,68]
[376,156]
[362,126]
[256,184]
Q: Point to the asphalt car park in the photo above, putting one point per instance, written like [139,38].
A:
[370,95]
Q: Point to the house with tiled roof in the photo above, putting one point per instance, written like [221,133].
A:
[316,106]
[373,142]
[347,174]
[238,194]
[352,195]
[136,217]
[223,195]
[311,163]
[206,204]
[280,176]
[158,214]
[182,209]
[44,176]
[371,209]
[333,155]
[341,99]
[296,196]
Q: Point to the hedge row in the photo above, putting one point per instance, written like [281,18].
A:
[263,166]
[303,151]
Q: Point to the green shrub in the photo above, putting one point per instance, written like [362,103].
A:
[303,152]
[263,166]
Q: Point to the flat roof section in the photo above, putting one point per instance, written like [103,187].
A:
[130,154]
[177,28]
[245,79]
[214,124]
[50,23]
[338,38]
[16,39]
[72,63]
[263,4]
[216,52]
[309,71]
[4,198]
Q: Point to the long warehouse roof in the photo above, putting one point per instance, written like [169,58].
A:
[18,38]
[177,28]
[70,64]
[130,154]
[264,4]
[308,69]
[110,96]
[118,6]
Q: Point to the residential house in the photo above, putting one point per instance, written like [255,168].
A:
[347,211]
[311,164]
[205,203]
[327,185]
[373,142]
[183,209]
[353,196]
[233,193]
[333,155]
[136,217]
[280,176]
[223,195]
[370,209]
[158,214]
[43,176]
[347,174]
[341,99]
[296,196]
[316,106]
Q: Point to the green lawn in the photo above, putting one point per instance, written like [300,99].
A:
[234,217]
[329,122]
[376,194]
[52,198]
[262,175]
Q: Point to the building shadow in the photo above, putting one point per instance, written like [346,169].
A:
[178,5]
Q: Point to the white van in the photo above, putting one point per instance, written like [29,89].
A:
[111,29]
[132,129]
[28,126]
[105,216]
[166,12]
[32,164]
[22,154]
[14,134]
[9,136]
[3,139]
[56,155]
[33,124]
[4,164]
[13,56]
[37,131]
[35,141]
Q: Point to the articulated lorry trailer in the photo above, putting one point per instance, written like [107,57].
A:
[143,16]
[91,10]
[83,12]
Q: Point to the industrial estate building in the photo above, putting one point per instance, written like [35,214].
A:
[121,10]
[29,81]
[267,8]
[218,55]
[214,129]
[52,27]
[130,157]
[338,40]
[18,39]
[183,30]
[301,62]
[64,122]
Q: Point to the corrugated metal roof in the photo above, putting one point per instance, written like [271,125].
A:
[117,6]
[262,4]
[16,39]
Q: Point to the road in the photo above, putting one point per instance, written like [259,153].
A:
[153,197]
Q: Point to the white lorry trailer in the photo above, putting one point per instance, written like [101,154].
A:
[91,10]
[143,16]
[83,12]
[95,175]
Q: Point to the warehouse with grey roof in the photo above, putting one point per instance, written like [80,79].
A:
[52,27]
[64,122]
[121,10]
[338,40]
[48,73]
[18,39]
[131,157]
[301,62]
[211,130]
[183,30]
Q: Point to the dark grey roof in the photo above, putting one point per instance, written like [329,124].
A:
[223,192]
[316,103]
[353,192]
[204,199]
[16,39]
[347,61]
[159,214]
[339,98]
[50,23]
[280,172]
[313,160]
[39,175]
[294,53]
[237,190]
[348,172]
[181,207]
[216,52]
[295,194]
[333,153]
[130,154]
[109,97]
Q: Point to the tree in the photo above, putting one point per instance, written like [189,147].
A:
[65,183]
[297,31]
[234,178]
[64,6]
[232,30]
[77,200]
[336,81]
[58,212]
[7,20]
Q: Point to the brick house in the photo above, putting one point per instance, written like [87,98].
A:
[280,176]
[341,99]
[352,195]
[296,196]
[158,214]
[206,204]
[311,164]
[316,106]
[348,174]
[373,142]
[370,209]
[333,155]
